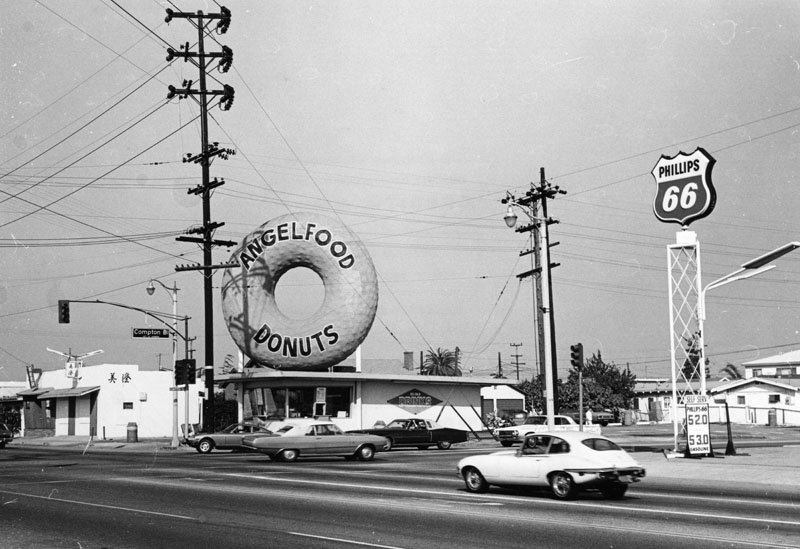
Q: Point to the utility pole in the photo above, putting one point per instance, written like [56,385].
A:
[202,59]
[529,204]
[516,357]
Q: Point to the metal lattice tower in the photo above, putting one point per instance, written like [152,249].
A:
[684,291]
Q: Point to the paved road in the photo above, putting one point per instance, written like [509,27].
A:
[113,494]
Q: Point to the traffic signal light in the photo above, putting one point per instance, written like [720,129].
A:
[185,371]
[576,355]
[63,311]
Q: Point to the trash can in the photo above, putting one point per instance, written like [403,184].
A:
[627,417]
[133,432]
[772,418]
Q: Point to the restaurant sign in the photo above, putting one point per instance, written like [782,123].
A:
[414,401]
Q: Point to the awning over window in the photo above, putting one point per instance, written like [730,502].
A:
[65,393]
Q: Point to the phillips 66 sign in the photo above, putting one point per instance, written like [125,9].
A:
[685,192]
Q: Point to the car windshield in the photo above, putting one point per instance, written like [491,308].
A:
[398,424]
[230,428]
[536,420]
[600,444]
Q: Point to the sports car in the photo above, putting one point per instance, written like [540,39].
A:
[315,439]
[230,438]
[421,433]
[566,461]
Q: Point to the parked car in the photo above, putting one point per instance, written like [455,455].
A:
[566,461]
[538,424]
[315,439]
[599,417]
[230,438]
[6,435]
[421,433]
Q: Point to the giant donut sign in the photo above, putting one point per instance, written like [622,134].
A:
[332,333]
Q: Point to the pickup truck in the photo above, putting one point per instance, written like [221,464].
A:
[538,424]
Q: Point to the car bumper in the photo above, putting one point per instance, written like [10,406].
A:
[626,475]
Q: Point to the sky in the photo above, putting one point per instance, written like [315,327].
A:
[409,121]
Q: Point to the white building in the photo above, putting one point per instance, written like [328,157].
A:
[104,400]
[785,366]
[358,400]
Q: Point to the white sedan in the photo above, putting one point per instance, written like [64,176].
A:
[565,461]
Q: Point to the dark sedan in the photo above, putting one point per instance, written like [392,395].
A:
[421,433]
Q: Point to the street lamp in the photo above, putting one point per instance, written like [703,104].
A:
[151,288]
[752,268]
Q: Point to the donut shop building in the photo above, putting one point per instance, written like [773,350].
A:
[359,400]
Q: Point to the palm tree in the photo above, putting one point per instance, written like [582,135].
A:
[731,371]
[441,362]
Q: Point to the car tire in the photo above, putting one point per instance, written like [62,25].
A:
[614,491]
[444,445]
[506,443]
[562,485]
[365,453]
[474,481]
[390,444]
[205,446]
[603,423]
[289,455]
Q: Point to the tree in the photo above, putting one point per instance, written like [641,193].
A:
[533,390]
[731,371]
[441,362]
[690,370]
[604,386]
[691,366]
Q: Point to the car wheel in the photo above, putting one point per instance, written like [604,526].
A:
[603,423]
[289,455]
[474,481]
[614,491]
[444,445]
[389,444]
[506,443]
[562,485]
[366,453]
[205,446]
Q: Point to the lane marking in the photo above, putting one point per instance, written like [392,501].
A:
[342,540]
[791,505]
[99,505]
[518,500]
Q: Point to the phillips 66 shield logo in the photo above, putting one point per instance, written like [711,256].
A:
[685,191]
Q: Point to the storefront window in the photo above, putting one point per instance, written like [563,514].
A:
[295,402]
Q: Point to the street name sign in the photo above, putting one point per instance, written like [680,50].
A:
[149,332]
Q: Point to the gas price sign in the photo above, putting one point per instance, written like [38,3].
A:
[698,428]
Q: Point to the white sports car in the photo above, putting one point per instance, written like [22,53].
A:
[565,461]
